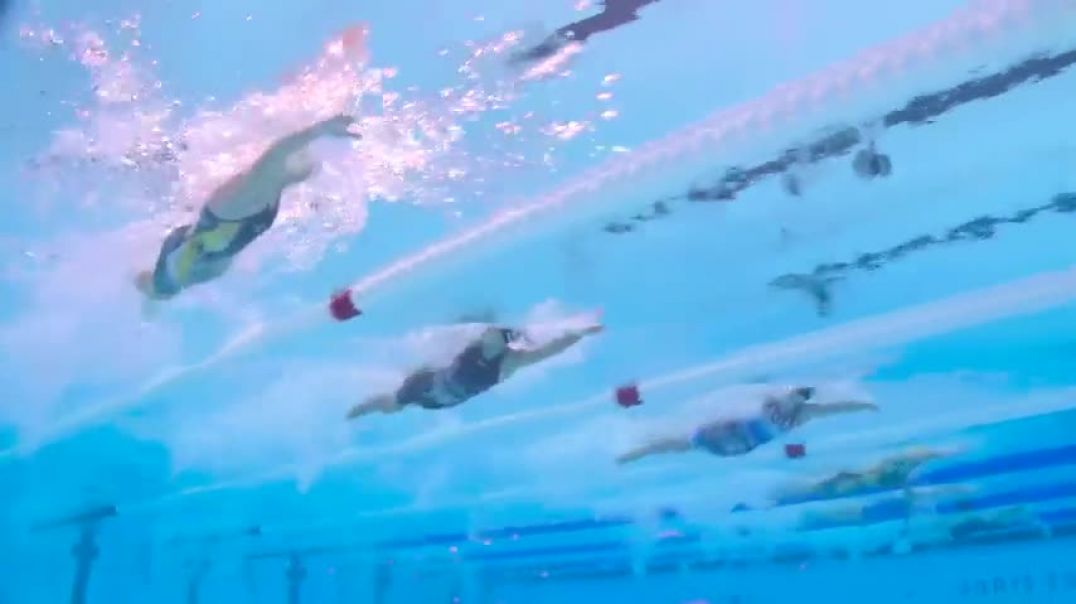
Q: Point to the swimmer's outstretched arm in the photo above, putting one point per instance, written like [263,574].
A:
[261,184]
[523,358]
[817,410]
[275,158]
[674,444]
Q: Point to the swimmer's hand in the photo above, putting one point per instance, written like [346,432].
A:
[340,126]
[595,327]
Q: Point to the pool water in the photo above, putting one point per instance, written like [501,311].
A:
[870,201]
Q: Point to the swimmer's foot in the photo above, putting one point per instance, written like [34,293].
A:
[545,49]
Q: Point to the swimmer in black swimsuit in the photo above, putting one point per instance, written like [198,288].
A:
[615,13]
[489,360]
[236,214]
[777,415]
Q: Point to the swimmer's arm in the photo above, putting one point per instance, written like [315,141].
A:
[817,410]
[523,358]
[383,404]
[549,350]
[676,444]
[275,157]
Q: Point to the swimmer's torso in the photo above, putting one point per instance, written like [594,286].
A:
[737,437]
[470,374]
[198,253]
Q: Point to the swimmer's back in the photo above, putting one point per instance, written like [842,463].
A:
[193,254]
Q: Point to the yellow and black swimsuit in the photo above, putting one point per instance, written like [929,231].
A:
[196,253]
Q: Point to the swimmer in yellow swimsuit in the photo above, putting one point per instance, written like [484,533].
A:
[236,214]
[890,474]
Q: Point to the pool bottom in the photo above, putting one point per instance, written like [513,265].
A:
[1031,572]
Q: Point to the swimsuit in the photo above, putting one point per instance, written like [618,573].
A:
[470,374]
[734,437]
[738,437]
[198,253]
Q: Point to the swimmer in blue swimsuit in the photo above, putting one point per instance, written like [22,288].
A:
[727,438]
[236,214]
[487,361]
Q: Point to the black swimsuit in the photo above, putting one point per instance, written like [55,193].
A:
[470,374]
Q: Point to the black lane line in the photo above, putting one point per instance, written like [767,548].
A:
[818,283]
[921,110]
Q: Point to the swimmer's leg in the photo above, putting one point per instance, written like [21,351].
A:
[384,403]
[656,447]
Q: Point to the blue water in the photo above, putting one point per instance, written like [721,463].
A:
[689,173]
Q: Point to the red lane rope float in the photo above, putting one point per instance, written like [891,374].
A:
[342,305]
[628,396]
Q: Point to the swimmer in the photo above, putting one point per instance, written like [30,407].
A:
[890,474]
[487,361]
[615,13]
[731,437]
[236,213]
